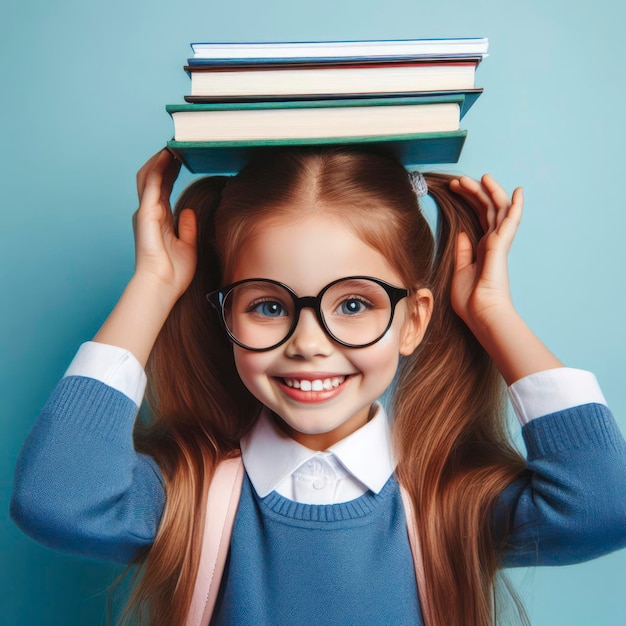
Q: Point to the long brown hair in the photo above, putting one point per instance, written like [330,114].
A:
[448,404]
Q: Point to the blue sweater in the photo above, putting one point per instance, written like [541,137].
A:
[293,563]
[81,487]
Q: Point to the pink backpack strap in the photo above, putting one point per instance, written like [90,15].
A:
[221,507]
[414,542]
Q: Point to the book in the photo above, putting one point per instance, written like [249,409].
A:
[228,157]
[402,97]
[322,51]
[319,119]
[329,80]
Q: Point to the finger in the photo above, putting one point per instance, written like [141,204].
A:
[474,188]
[169,178]
[471,190]
[469,195]
[188,227]
[463,253]
[142,174]
[498,195]
[152,188]
[486,198]
[510,223]
[501,199]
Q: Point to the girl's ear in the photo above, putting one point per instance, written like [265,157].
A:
[420,308]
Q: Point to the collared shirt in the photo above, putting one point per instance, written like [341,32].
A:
[275,462]
[363,460]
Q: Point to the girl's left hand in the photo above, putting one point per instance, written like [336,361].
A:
[480,285]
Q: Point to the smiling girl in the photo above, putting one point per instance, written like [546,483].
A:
[272,311]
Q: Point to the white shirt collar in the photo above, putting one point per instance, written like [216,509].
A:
[270,456]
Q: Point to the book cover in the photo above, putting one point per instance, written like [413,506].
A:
[233,65]
[464,97]
[330,60]
[228,158]
[469,98]
[271,52]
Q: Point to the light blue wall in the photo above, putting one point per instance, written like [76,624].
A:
[84,85]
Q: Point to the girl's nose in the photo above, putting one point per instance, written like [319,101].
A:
[309,339]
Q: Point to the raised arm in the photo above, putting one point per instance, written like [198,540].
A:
[165,262]
[569,505]
[80,486]
[480,287]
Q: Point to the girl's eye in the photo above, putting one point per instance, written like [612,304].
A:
[268,308]
[353,306]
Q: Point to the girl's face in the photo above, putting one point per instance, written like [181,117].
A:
[306,254]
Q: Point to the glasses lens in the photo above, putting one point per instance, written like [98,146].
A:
[356,311]
[259,314]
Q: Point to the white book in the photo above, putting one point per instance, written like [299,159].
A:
[332,80]
[245,124]
[319,50]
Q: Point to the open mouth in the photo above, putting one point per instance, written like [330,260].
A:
[318,384]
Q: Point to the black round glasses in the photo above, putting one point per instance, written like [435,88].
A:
[260,314]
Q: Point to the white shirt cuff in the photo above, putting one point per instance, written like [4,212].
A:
[553,390]
[113,366]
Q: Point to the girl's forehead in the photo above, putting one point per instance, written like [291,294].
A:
[307,252]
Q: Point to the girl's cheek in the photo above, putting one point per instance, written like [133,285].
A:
[250,364]
[381,358]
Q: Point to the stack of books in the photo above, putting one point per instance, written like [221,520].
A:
[404,96]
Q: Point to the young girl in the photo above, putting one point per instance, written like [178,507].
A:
[325,286]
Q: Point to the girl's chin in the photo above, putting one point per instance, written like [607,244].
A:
[320,434]
[295,428]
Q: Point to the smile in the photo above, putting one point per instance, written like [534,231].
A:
[318,384]
[314,389]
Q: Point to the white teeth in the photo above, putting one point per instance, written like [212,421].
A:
[315,385]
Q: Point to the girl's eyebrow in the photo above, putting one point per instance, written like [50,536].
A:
[254,287]
[363,284]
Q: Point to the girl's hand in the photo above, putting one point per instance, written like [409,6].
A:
[164,263]
[160,254]
[480,285]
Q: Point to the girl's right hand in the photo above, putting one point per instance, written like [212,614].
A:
[161,255]
[164,262]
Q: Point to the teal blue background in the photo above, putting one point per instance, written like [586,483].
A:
[84,86]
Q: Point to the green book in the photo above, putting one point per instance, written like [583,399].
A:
[418,128]
[331,117]
[228,157]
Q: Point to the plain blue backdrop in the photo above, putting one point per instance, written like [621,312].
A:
[84,86]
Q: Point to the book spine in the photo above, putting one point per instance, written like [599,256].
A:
[330,60]
[421,98]
[345,64]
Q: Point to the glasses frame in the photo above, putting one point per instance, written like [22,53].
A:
[218,297]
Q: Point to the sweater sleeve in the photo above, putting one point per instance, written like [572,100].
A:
[569,505]
[80,486]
